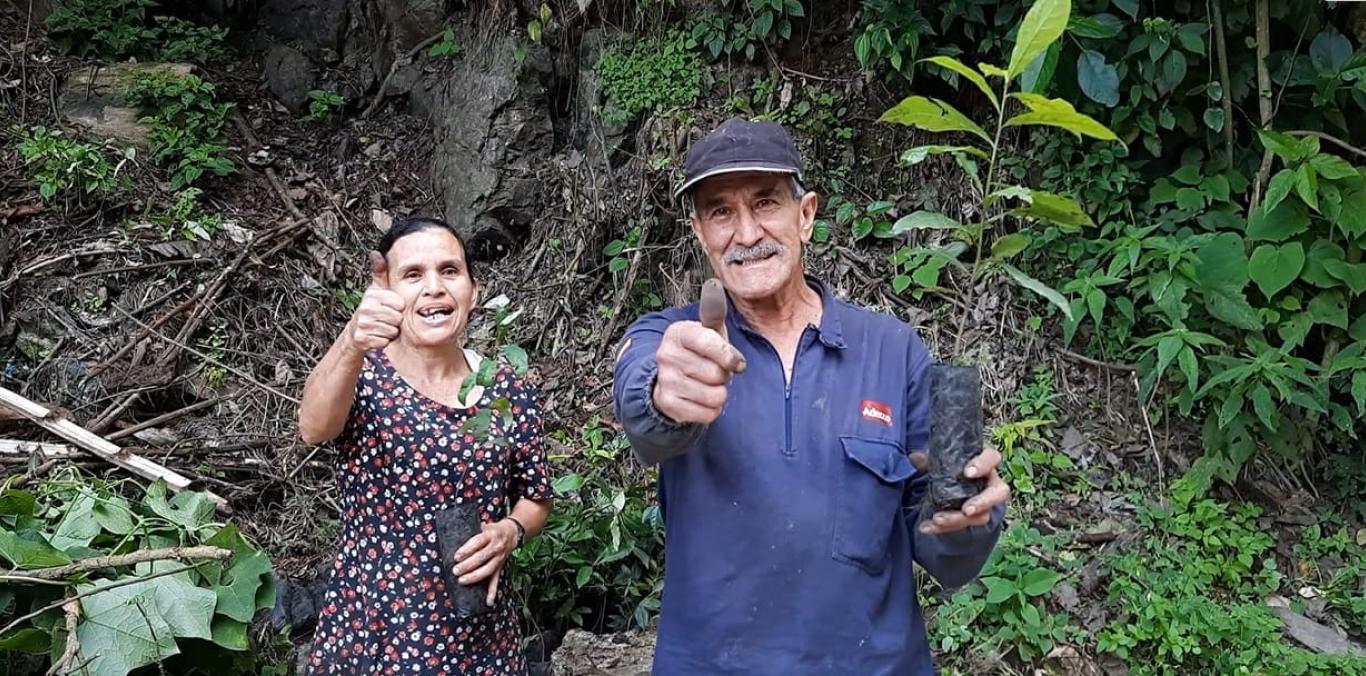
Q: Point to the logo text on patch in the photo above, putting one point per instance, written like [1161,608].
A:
[876,411]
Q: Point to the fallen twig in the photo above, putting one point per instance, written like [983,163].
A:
[1147,424]
[91,592]
[130,559]
[100,446]
[140,268]
[271,176]
[231,369]
[109,415]
[165,417]
[72,609]
[21,211]
[1113,366]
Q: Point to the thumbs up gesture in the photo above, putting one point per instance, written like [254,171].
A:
[696,362]
[376,321]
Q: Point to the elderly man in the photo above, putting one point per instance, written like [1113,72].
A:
[785,433]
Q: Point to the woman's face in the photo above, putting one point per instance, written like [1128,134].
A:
[428,269]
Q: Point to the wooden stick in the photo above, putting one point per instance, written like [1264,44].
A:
[72,609]
[131,558]
[163,418]
[99,445]
[27,448]
[132,579]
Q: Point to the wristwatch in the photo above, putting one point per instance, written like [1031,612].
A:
[521,531]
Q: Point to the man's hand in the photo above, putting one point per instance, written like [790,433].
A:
[376,322]
[977,510]
[483,555]
[696,363]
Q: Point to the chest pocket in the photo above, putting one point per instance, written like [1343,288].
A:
[872,477]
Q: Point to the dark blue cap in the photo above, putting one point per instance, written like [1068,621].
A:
[741,145]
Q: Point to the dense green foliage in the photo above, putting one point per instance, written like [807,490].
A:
[648,76]
[63,164]
[119,29]
[150,611]
[187,126]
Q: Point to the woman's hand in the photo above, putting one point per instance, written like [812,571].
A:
[483,555]
[376,321]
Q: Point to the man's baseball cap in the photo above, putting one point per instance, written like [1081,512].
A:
[741,145]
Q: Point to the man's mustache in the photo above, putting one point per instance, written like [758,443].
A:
[746,254]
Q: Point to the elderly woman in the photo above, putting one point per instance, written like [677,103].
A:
[387,394]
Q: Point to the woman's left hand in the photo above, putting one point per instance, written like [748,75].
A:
[483,555]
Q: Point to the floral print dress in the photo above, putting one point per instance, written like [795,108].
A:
[402,458]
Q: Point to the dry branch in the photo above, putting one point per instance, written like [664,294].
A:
[398,63]
[72,609]
[129,559]
[100,446]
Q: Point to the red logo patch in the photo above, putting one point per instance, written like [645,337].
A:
[876,411]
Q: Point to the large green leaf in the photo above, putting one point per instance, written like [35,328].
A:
[26,640]
[1058,113]
[1275,267]
[932,115]
[1329,307]
[14,502]
[237,596]
[1358,329]
[1353,219]
[918,154]
[1040,288]
[78,525]
[1281,184]
[1009,246]
[113,514]
[188,509]
[1056,209]
[1098,27]
[1315,270]
[230,633]
[923,220]
[28,550]
[1294,330]
[968,72]
[127,627]
[1042,26]
[1285,147]
[1351,274]
[1097,79]
[1332,167]
[1039,73]
[1222,273]
[1288,219]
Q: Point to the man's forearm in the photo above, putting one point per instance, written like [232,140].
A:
[955,558]
[654,437]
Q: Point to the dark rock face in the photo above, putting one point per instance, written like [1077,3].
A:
[312,25]
[290,76]
[493,129]
[955,434]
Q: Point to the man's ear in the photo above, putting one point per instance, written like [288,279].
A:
[808,206]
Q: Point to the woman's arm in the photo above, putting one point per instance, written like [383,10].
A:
[330,389]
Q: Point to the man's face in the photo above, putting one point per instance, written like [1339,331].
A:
[753,228]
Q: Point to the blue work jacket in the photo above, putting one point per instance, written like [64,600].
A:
[790,521]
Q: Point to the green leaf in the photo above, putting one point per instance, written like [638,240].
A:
[584,574]
[1329,51]
[1039,73]
[1261,402]
[1285,147]
[1038,582]
[1353,219]
[1042,26]
[972,75]
[1129,7]
[618,264]
[229,633]
[1222,273]
[923,220]
[1217,186]
[188,509]
[1214,119]
[1358,330]
[1307,186]
[1191,37]
[999,589]
[517,357]
[1097,79]
[1040,288]
[1288,219]
[614,248]
[1173,72]
[1098,27]
[1190,367]
[1294,330]
[14,502]
[1056,209]
[26,640]
[1281,184]
[1058,113]
[1188,174]
[29,552]
[1167,349]
[794,8]
[918,154]
[1332,167]
[990,70]
[78,526]
[1352,274]
[1315,267]
[134,625]
[1190,199]
[1275,267]
[113,514]
[1162,192]
[900,283]
[931,115]
[1330,308]
[1009,246]
[237,595]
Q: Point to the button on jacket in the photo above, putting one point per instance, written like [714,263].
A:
[790,521]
